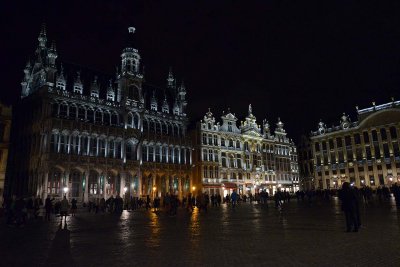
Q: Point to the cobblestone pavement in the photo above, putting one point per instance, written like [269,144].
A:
[251,235]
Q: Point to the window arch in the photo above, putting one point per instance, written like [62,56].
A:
[73,112]
[106,118]
[64,110]
[89,115]
[98,116]
[81,113]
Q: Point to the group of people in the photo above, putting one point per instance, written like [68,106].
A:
[20,210]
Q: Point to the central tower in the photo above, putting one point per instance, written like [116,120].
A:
[130,79]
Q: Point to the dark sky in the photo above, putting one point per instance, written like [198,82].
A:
[301,61]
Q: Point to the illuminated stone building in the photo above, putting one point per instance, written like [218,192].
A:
[363,152]
[5,127]
[247,158]
[94,135]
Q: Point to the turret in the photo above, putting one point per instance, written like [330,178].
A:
[170,79]
[61,82]
[42,38]
[153,102]
[165,106]
[130,58]
[182,97]
[94,89]
[110,92]
[27,79]
[78,87]
[52,54]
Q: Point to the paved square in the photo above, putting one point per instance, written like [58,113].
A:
[252,235]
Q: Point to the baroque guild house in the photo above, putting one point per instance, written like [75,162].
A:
[246,158]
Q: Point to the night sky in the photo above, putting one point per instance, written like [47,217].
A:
[299,61]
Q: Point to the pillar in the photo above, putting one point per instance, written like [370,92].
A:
[86,194]
[46,180]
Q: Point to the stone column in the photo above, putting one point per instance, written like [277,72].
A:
[86,194]
[45,182]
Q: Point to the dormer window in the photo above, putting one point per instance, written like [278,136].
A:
[78,89]
[60,85]
[94,94]
[111,96]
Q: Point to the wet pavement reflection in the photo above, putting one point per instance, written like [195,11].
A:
[302,234]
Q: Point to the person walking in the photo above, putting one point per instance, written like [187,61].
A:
[64,208]
[74,207]
[234,198]
[349,202]
[48,206]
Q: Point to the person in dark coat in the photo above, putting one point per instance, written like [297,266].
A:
[48,207]
[349,202]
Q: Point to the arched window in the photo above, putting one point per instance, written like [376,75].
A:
[144,152]
[130,151]
[204,154]
[98,116]
[54,142]
[163,128]
[151,153]
[114,119]
[102,147]
[64,110]
[118,146]
[89,115]
[106,118]
[84,145]
[72,112]
[157,125]
[158,150]
[176,155]
[230,143]
[81,113]
[93,146]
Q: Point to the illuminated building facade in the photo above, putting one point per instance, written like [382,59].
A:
[364,152]
[246,158]
[5,127]
[93,135]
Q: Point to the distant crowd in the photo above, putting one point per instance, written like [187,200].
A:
[18,210]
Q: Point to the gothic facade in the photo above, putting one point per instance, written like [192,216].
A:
[363,152]
[246,158]
[90,135]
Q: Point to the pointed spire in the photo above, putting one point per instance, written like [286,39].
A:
[42,36]
[182,88]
